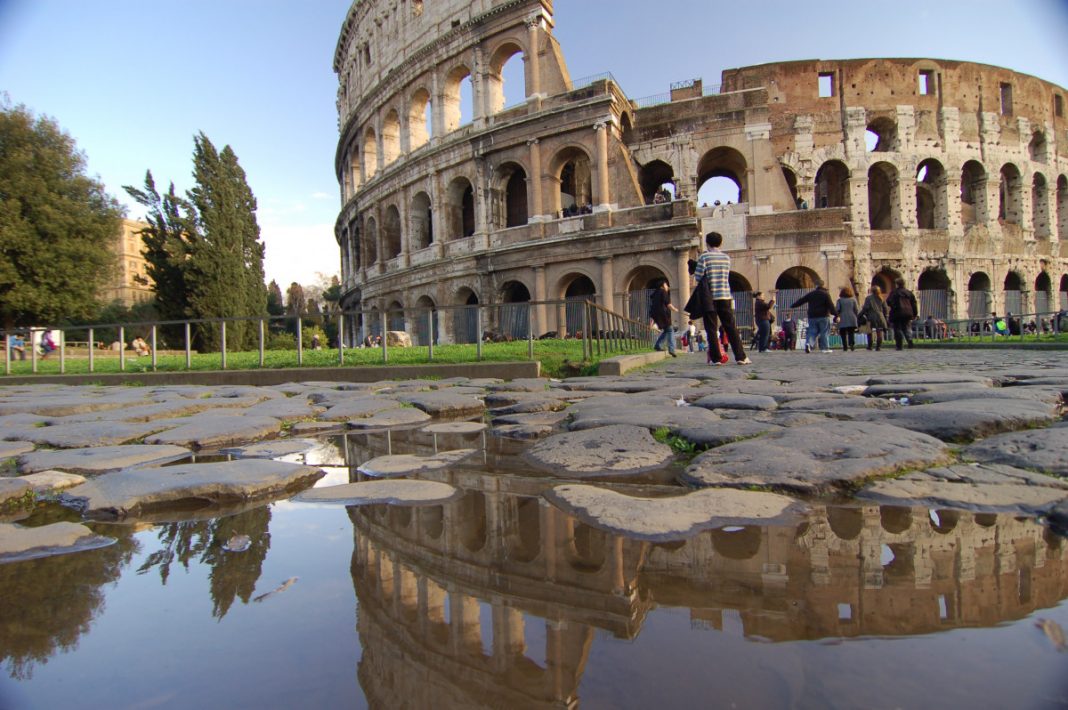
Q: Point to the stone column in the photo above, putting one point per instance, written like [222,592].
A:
[481,96]
[540,297]
[950,189]
[437,109]
[535,180]
[533,61]
[602,200]
[607,290]
[904,217]
[682,278]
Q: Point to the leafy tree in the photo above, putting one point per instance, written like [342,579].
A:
[56,224]
[275,302]
[296,302]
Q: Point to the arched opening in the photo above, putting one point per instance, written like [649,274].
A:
[461,208]
[1064,292]
[426,321]
[790,286]
[457,99]
[354,170]
[884,278]
[737,543]
[505,80]
[832,185]
[420,125]
[1062,207]
[524,537]
[422,221]
[943,522]
[391,232]
[514,179]
[933,294]
[973,207]
[1037,147]
[742,295]
[432,521]
[588,548]
[846,523]
[1043,293]
[639,287]
[465,320]
[881,136]
[657,180]
[575,176]
[1013,293]
[1040,206]
[1009,205]
[577,290]
[391,147]
[370,153]
[514,315]
[395,317]
[626,128]
[980,302]
[931,207]
[895,519]
[882,196]
[791,184]
[721,176]
[472,518]
[370,240]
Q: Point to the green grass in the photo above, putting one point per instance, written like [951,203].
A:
[558,358]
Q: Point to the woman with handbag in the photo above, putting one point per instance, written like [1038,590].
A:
[875,312]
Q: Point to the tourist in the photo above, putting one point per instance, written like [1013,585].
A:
[48,346]
[820,312]
[711,300]
[875,312]
[789,333]
[903,308]
[691,337]
[140,347]
[762,314]
[17,346]
[847,318]
[315,343]
[660,308]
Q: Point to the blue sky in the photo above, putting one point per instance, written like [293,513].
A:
[133,81]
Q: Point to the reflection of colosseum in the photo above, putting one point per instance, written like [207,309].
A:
[950,174]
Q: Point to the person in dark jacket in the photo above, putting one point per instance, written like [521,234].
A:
[875,312]
[762,315]
[848,314]
[820,311]
[789,333]
[660,309]
[903,308]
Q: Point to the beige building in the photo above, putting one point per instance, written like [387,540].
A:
[949,174]
[130,283]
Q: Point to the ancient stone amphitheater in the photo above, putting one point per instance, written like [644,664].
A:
[949,174]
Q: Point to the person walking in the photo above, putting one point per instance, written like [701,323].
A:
[789,333]
[875,312]
[660,309]
[762,314]
[820,311]
[848,311]
[903,308]
[691,337]
[711,301]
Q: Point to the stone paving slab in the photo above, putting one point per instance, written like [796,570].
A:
[389,418]
[726,432]
[991,473]
[350,408]
[966,420]
[11,449]
[50,481]
[587,415]
[459,428]
[756,402]
[120,494]
[1044,450]
[389,492]
[18,543]
[396,465]
[13,490]
[444,403]
[628,385]
[614,450]
[981,497]
[816,458]
[953,394]
[285,409]
[213,430]
[100,459]
[274,449]
[676,517]
[93,434]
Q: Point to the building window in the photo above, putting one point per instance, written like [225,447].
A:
[826,84]
[926,82]
[367,53]
[1006,99]
[1058,105]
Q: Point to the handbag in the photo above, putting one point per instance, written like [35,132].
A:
[862,320]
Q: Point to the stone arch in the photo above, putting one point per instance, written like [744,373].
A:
[1010,192]
[881,135]
[973,207]
[354,170]
[1040,206]
[638,285]
[471,516]
[1062,207]
[790,177]
[846,523]
[626,127]
[944,521]
[932,208]
[422,221]
[465,320]
[737,543]
[503,56]
[523,538]
[420,127]
[895,519]
[883,202]
[513,315]
[572,168]
[934,293]
[395,316]
[576,288]
[1064,292]
[426,328]
[884,278]
[455,82]
[460,208]
[723,162]
[1043,293]
[980,302]
[391,144]
[797,277]
[738,283]
[832,185]
[514,292]
[370,153]
[655,176]
[432,521]
[587,547]
[391,233]
[513,181]
[1036,149]
[1013,292]
[370,240]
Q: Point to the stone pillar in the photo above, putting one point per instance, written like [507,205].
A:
[858,199]
[533,61]
[481,96]
[904,217]
[602,200]
[682,278]
[535,180]
[607,290]
[540,296]
[437,109]
[508,637]
[950,190]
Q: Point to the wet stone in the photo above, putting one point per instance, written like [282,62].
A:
[19,543]
[397,465]
[286,409]
[623,411]
[931,378]
[616,450]
[99,459]
[757,402]
[995,474]
[936,491]
[13,426]
[526,427]
[273,449]
[13,490]
[314,427]
[402,416]
[816,458]
[460,428]
[726,431]
[92,434]
[444,403]
[359,408]
[390,492]
[211,430]
[123,493]
[1042,449]
[628,385]
[10,449]
[966,420]
[48,481]
[673,518]
[954,394]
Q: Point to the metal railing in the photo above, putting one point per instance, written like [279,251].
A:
[601,331]
[1025,327]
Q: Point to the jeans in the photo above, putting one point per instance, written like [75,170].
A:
[724,313]
[763,335]
[668,333]
[818,331]
[902,331]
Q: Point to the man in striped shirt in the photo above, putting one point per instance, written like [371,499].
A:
[715,266]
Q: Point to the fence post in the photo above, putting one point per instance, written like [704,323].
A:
[430,334]
[188,347]
[340,339]
[33,353]
[300,341]
[263,336]
[530,332]
[154,341]
[585,328]
[92,349]
[222,344]
[382,330]
[478,332]
[63,351]
[122,348]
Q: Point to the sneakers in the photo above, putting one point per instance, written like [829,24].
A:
[746,361]
[826,351]
[807,348]
[672,354]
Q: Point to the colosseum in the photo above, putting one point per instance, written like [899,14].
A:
[949,174]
